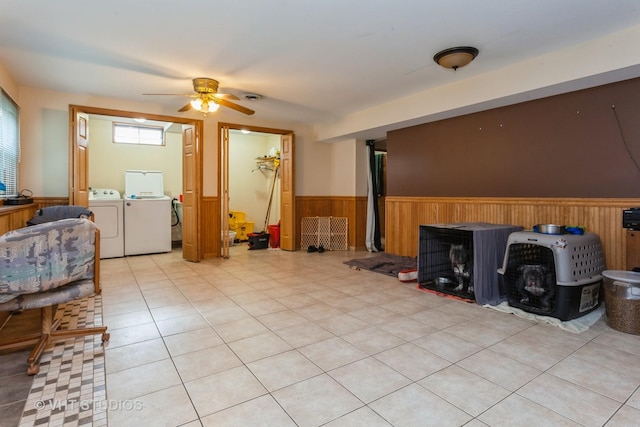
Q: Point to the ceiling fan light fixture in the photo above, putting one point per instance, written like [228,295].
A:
[455,57]
[213,106]
[205,85]
[196,103]
[208,100]
[205,105]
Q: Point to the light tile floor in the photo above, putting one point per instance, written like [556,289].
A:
[275,338]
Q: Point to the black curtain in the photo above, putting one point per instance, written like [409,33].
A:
[374,191]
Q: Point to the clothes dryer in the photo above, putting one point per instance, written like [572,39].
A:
[107,207]
[147,213]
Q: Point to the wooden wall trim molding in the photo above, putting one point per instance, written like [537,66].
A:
[42,202]
[619,202]
[331,199]
[600,216]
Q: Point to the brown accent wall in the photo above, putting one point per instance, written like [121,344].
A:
[576,145]
[600,216]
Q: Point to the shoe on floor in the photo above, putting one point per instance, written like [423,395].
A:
[312,249]
[320,249]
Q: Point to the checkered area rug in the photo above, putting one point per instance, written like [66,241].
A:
[70,388]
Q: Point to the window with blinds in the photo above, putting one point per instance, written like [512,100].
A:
[9,146]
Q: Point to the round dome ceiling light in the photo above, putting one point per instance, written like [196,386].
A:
[455,57]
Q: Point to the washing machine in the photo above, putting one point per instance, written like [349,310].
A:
[147,213]
[107,207]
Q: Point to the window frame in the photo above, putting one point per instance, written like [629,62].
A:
[9,150]
[139,127]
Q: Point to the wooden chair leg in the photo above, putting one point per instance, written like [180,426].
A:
[33,361]
[83,332]
[46,326]
[49,333]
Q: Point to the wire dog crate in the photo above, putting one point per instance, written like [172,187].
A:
[553,275]
[461,259]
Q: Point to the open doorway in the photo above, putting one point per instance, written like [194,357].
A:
[254,184]
[189,147]
[263,184]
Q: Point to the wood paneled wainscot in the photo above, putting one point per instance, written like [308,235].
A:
[14,217]
[404,215]
[352,208]
[11,218]
[633,249]
[210,227]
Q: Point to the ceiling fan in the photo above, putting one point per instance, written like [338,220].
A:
[207,99]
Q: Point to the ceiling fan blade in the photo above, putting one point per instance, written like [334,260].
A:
[233,106]
[226,96]
[187,107]
[173,94]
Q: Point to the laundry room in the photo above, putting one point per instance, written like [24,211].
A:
[109,160]
[135,174]
[254,184]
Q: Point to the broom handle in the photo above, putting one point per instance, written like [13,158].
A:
[273,185]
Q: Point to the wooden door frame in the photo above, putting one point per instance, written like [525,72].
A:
[197,123]
[221,160]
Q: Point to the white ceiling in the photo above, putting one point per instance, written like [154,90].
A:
[313,61]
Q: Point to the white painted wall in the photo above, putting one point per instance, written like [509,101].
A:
[342,159]
[311,167]
[8,84]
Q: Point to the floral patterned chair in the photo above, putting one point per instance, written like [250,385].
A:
[45,265]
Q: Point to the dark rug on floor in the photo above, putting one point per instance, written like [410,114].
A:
[385,263]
